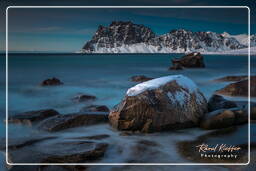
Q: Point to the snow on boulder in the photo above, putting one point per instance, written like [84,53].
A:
[165,103]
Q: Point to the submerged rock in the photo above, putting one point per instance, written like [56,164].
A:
[218,102]
[95,108]
[31,117]
[64,151]
[140,78]
[192,60]
[224,118]
[166,103]
[236,137]
[239,88]
[51,82]
[62,122]
[232,78]
[83,98]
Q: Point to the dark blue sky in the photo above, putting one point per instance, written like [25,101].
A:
[66,30]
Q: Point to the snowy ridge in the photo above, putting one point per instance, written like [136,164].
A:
[127,37]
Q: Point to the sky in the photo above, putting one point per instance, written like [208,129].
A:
[67,30]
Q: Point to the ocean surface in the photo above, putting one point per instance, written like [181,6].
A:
[105,76]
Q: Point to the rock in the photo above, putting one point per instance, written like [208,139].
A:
[62,151]
[233,136]
[239,88]
[224,118]
[83,98]
[232,78]
[176,66]
[140,78]
[14,144]
[95,108]
[51,82]
[218,102]
[62,122]
[166,103]
[28,118]
[192,60]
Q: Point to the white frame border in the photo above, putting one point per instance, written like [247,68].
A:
[164,164]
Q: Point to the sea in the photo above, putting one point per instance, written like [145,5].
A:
[108,77]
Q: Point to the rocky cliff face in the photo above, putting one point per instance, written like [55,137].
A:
[117,34]
[127,37]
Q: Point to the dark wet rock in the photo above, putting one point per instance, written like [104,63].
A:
[95,108]
[93,137]
[176,66]
[95,153]
[218,102]
[59,152]
[83,98]
[232,78]
[239,88]
[224,118]
[232,136]
[62,122]
[22,142]
[192,60]
[167,107]
[31,117]
[140,78]
[51,82]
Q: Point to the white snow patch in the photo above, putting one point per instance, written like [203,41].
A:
[181,80]
[179,96]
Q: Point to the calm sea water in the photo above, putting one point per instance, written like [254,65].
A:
[105,76]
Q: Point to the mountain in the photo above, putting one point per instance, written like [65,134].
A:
[127,37]
[242,38]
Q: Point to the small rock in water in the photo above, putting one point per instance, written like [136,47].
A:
[176,66]
[140,78]
[62,151]
[239,88]
[83,98]
[165,103]
[218,102]
[51,82]
[232,78]
[224,118]
[95,108]
[62,122]
[28,118]
[192,60]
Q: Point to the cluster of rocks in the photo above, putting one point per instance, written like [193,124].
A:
[160,109]
[155,105]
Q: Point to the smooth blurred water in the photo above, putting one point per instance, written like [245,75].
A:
[105,76]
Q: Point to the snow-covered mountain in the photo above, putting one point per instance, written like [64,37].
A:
[127,37]
[242,38]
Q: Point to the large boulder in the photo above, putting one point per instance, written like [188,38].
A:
[224,118]
[239,88]
[218,102]
[62,122]
[166,103]
[31,117]
[51,82]
[140,78]
[192,60]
